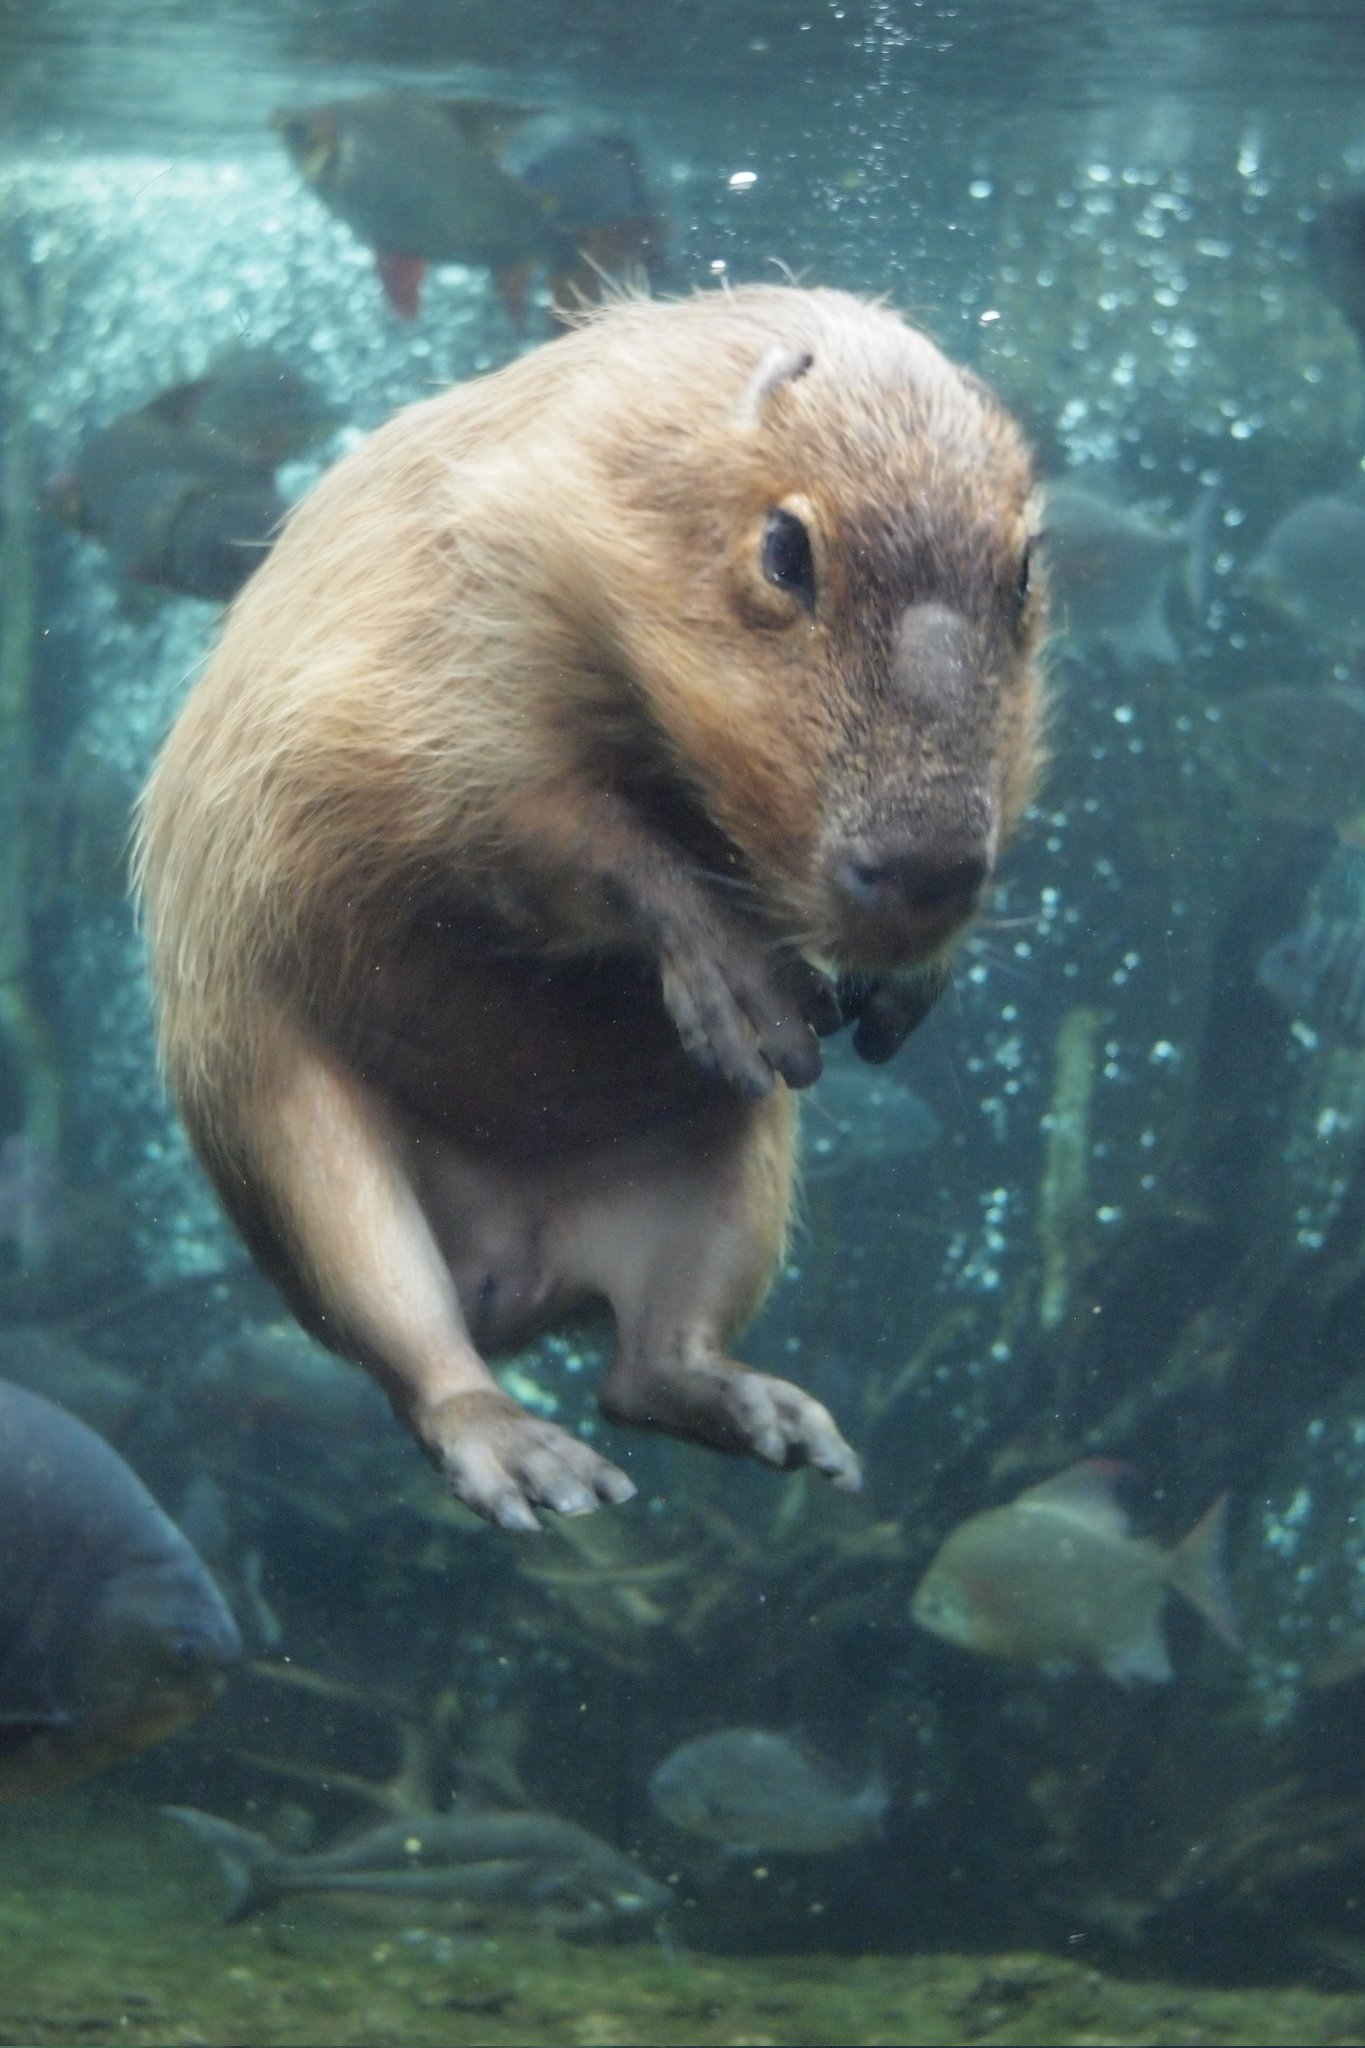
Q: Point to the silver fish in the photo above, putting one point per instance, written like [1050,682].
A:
[1056,1578]
[1111,569]
[518,1861]
[750,1789]
[1316,974]
[1293,754]
[857,1117]
[1312,566]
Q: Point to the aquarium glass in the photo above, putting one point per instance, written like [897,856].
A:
[1085,1258]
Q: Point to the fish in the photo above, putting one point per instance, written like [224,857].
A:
[750,1789]
[112,1633]
[482,182]
[857,1117]
[1055,1578]
[177,505]
[269,1380]
[419,182]
[1311,566]
[1111,567]
[600,215]
[31,1210]
[52,1364]
[532,1863]
[1293,754]
[1335,240]
[253,398]
[1316,974]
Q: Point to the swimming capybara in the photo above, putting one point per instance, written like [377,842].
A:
[591,729]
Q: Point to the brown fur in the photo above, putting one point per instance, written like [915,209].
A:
[486,865]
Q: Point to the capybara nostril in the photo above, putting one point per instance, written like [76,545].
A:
[911,880]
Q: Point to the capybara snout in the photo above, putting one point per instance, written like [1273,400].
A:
[596,737]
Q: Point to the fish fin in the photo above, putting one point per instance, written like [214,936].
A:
[250,1863]
[178,404]
[1149,638]
[1200,530]
[1085,1491]
[1146,1659]
[871,1803]
[1100,479]
[488,124]
[401,277]
[19,1726]
[1196,1570]
[512,286]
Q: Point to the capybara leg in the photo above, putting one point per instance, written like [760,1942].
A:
[692,1256]
[360,1263]
[681,1383]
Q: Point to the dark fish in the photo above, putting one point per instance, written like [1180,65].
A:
[177,505]
[1293,754]
[419,181]
[522,1862]
[31,1220]
[1336,256]
[1312,566]
[255,400]
[1112,568]
[858,1117]
[1056,1578]
[1317,976]
[509,188]
[270,1379]
[80,821]
[112,1634]
[750,1789]
[599,211]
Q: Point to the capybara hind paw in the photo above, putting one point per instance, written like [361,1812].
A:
[504,1463]
[785,1427]
[746,1017]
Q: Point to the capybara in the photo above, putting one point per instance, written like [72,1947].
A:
[590,730]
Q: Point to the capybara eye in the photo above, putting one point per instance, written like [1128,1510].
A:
[787,560]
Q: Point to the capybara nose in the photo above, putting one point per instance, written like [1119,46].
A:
[897,902]
[886,883]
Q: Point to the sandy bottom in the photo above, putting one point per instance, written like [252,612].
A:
[111,1931]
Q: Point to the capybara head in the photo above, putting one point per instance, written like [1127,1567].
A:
[820,590]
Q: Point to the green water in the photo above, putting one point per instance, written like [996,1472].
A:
[1119,1214]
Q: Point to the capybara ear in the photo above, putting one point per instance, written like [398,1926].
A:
[779,366]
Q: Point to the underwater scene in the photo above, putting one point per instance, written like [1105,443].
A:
[682,1205]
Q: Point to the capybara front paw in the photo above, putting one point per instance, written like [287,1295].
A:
[505,1463]
[785,1427]
[745,1014]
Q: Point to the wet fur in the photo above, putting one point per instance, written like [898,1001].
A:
[483,866]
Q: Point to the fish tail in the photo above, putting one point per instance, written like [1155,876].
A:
[871,1803]
[251,1864]
[1197,1571]
[1201,540]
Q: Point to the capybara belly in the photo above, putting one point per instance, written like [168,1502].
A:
[532,1060]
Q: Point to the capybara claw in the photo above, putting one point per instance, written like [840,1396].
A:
[504,1463]
[747,1019]
[786,1427]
